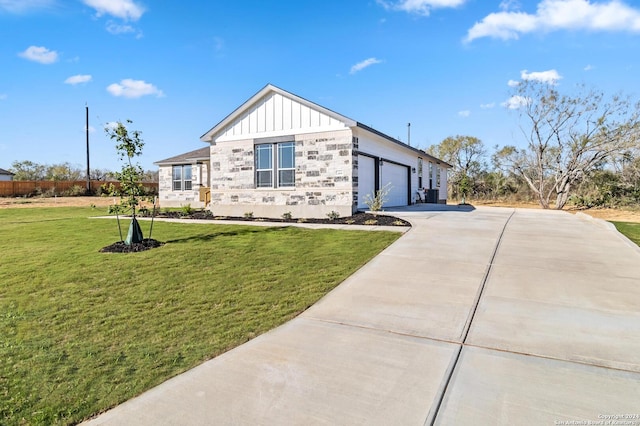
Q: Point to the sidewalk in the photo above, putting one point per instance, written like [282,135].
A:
[486,316]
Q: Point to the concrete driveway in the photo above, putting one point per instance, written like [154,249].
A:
[476,316]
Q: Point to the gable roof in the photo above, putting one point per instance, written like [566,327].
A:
[244,121]
[243,114]
[188,157]
[6,172]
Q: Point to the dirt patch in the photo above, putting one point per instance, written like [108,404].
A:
[23,202]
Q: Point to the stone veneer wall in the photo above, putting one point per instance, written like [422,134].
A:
[324,168]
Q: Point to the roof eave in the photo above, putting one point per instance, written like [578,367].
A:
[402,144]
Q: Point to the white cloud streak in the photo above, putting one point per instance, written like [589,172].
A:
[131,89]
[488,106]
[39,54]
[516,102]
[24,6]
[3,96]
[549,77]
[364,64]
[78,79]
[419,7]
[123,9]
[465,113]
[555,15]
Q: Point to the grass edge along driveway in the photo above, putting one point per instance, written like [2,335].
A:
[82,331]
[630,230]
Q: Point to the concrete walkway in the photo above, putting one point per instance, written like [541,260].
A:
[476,316]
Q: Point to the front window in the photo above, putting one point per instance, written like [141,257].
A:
[286,164]
[264,166]
[275,171]
[182,178]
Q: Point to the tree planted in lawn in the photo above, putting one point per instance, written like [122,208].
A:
[129,145]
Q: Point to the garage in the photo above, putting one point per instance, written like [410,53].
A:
[398,176]
[366,178]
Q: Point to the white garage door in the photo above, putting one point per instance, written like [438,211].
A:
[366,178]
[398,177]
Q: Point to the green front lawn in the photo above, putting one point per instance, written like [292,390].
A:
[630,229]
[81,331]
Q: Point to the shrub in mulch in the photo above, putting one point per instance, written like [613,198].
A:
[121,247]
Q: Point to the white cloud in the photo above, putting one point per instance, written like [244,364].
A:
[516,102]
[488,106]
[39,54]
[3,96]
[465,113]
[78,79]
[123,9]
[512,83]
[419,7]
[364,64]
[588,67]
[549,77]
[115,28]
[129,88]
[24,6]
[554,15]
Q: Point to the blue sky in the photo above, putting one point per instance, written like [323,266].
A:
[177,68]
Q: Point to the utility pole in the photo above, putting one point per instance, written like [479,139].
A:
[87,133]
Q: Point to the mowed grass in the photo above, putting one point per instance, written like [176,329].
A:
[630,229]
[81,331]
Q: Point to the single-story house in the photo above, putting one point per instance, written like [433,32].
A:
[6,175]
[279,153]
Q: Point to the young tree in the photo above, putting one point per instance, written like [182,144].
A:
[129,145]
[567,137]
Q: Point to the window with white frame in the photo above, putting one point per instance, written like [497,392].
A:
[275,171]
[182,177]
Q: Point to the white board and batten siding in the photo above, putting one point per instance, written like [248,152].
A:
[397,172]
[278,115]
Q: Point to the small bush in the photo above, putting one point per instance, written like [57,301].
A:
[287,216]
[248,215]
[376,200]
[186,210]
[144,211]
[370,222]
[75,191]
[333,215]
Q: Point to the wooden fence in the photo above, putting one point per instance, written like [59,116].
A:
[27,188]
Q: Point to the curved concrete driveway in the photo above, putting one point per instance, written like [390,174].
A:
[486,316]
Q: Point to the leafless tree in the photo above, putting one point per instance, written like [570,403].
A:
[567,137]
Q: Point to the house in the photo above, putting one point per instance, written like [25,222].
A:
[279,153]
[181,178]
[6,175]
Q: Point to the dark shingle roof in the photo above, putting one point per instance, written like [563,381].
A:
[187,157]
[6,172]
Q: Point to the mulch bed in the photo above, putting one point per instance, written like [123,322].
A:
[121,247]
[368,219]
[357,219]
